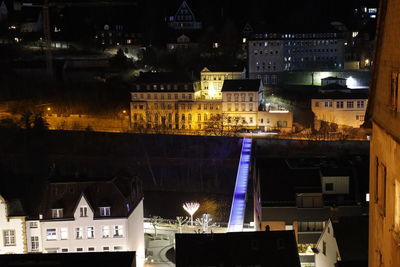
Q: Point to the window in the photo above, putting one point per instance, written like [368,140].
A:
[90,232]
[250,107]
[360,104]
[339,104]
[106,248]
[229,96]
[236,97]
[118,231]
[350,104]
[33,225]
[250,97]
[376,180]
[382,189]
[9,237]
[79,233]
[56,213]
[117,248]
[34,243]
[243,107]
[243,97]
[83,211]
[105,211]
[198,117]
[394,92]
[91,249]
[329,187]
[360,117]
[236,106]
[316,104]
[328,104]
[64,233]
[106,231]
[397,207]
[79,249]
[64,250]
[324,247]
[51,234]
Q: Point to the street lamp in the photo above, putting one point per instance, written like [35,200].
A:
[191,208]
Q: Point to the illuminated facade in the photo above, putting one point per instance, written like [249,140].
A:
[184,19]
[211,81]
[269,54]
[384,112]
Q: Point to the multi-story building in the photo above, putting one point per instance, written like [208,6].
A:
[212,80]
[12,227]
[384,113]
[170,102]
[335,103]
[113,35]
[240,102]
[90,216]
[184,19]
[271,53]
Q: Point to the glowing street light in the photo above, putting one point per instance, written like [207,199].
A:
[49,108]
[191,208]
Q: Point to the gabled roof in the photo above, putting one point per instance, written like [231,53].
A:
[223,68]
[120,194]
[241,85]
[183,10]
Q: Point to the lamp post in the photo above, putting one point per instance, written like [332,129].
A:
[191,208]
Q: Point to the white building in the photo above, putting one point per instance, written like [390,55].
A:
[212,80]
[12,227]
[184,19]
[90,216]
[240,102]
[281,120]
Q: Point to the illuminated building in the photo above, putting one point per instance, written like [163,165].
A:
[184,19]
[240,102]
[336,103]
[384,114]
[212,80]
[273,52]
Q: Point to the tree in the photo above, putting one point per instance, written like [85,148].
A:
[181,221]
[155,222]
[120,60]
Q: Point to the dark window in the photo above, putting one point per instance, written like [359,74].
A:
[329,187]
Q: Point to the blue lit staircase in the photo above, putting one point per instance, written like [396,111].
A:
[238,207]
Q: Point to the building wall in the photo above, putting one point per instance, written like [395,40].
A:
[331,255]
[17,224]
[136,234]
[340,184]
[327,110]
[241,108]
[384,211]
[212,82]
[275,120]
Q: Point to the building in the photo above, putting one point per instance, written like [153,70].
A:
[3,11]
[384,114]
[268,248]
[344,240]
[212,79]
[275,120]
[182,42]
[12,227]
[333,80]
[302,194]
[335,103]
[280,50]
[117,35]
[94,215]
[240,102]
[184,19]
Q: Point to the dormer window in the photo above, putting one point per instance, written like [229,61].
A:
[83,211]
[105,211]
[56,213]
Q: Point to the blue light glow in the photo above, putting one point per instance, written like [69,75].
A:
[238,207]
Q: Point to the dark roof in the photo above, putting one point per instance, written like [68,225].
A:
[353,94]
[225,68]
[351,235]
[268,248]
[168,81]
[91,259]
[114,193]
[280,183]
[335,172]
[282,28]
[241,85]
[335,86]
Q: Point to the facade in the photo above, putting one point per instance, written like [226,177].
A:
[184,19]
[240,102]
[170,102]
[270,54]
[384,113]
[117,35]
[12,228]
[212,80]
[88,216]
[3,11]
[182,42]
[343,106]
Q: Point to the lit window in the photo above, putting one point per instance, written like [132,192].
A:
[9,237]
[118,232]
[106,231]
[83,211]
[105,211]
[51,234]
[64,233]
[90,232]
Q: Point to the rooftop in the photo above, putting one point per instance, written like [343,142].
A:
[353,94]
[242,85]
